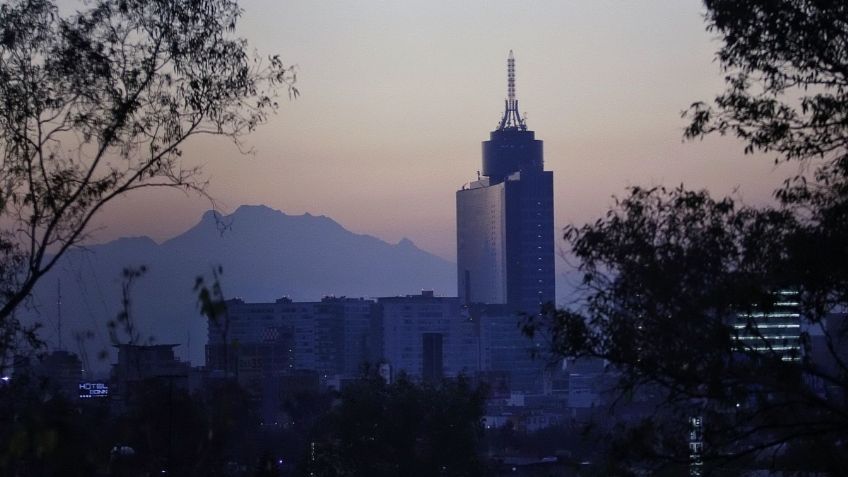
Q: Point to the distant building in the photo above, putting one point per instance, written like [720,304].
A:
[828,355]
[58,371]
[585,382]
[139,363]
[505,219]
[425,337]
[332,337]
[342,336]
[504,347]
[252,339]
[428,337]
[774,330]
[836,327]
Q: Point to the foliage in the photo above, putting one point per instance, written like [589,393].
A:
[125,322]
[213,305]
[787,73]
[787,94]
[666,272]
[165,427]
[402,428]
[267,467]
[97,104]
[43,435]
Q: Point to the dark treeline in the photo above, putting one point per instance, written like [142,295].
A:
[162,430]
[368,428]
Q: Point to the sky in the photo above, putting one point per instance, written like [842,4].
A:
[396,98]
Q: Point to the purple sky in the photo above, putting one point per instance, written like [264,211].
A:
[396,97]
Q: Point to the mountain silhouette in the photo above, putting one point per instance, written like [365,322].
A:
[265,254]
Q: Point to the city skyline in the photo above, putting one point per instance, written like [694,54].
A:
[396,125]
[403,271]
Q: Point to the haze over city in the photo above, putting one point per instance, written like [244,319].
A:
[396,98]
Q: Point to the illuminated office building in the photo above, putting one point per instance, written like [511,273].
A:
[776,330]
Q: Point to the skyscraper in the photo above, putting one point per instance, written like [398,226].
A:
[505,219]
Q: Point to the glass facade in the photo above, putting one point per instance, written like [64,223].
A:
[774,330]
[505,226]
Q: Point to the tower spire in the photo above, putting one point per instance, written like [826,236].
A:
[510,76]
[511,119]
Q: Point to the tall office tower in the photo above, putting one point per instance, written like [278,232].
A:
[505,219]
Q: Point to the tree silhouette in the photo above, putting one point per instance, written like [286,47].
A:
[402,428]
[98,104]
[667,273]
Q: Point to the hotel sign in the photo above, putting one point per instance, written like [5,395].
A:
[93,390]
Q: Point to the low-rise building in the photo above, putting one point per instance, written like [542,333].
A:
[428,337]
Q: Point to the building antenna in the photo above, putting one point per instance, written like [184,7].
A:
[59,311]
[512,119]
[510,77]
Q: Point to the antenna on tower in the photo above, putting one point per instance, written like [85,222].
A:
[59,311]
[512,119]
[510,77]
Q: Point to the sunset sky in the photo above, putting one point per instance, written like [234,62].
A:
[397,96]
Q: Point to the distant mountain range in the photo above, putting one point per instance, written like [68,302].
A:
[265,254]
